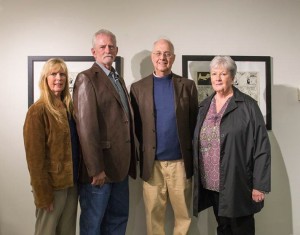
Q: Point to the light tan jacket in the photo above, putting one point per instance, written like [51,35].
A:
[48,152]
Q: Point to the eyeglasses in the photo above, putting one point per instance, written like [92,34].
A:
[164,54]
[62,75]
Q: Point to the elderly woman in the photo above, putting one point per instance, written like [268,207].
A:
[231,154]
[51,146]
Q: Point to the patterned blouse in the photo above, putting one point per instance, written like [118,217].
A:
[210,147]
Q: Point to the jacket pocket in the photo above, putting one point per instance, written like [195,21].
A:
[57,167]
[185,100]
[54,167]
[60,174]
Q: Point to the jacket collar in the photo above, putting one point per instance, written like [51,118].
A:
[237,97]
[97,69]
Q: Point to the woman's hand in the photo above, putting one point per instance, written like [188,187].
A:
[258,196]
[49,208]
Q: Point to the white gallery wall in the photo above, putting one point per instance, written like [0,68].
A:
[196,27]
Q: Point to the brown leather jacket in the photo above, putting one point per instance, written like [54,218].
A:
[105,130]
[48,152]
[186,105]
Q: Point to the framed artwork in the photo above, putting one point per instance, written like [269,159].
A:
[253,77]
[75,65]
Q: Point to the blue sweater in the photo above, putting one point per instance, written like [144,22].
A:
[167,141]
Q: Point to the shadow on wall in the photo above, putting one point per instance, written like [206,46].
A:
[276,217]
[285,110]
[141,65]
[137,220]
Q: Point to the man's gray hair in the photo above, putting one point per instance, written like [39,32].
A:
[105,32]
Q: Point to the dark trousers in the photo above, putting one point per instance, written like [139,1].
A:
[231,226]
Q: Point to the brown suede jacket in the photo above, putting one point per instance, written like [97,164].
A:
[48,152]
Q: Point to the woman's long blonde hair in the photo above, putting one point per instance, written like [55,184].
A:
[55,64]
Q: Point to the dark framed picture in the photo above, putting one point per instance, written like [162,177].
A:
[253,78]
[75,65]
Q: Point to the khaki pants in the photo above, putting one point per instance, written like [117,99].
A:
[168,180]
[62,220]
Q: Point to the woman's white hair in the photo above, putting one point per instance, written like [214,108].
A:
[224,61]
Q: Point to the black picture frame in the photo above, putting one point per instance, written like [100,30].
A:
[196,67]
[75,65]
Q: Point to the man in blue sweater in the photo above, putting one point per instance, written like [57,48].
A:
[165,109]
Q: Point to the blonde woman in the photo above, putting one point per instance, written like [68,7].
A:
[52,150]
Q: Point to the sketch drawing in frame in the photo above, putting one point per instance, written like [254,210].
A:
[75,65]
[253,77]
